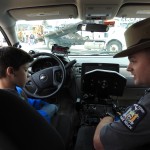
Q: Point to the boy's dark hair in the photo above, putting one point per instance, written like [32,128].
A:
[12,57]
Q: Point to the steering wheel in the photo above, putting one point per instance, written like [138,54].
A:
[44,83]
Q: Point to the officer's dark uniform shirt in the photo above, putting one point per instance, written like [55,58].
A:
[132,131]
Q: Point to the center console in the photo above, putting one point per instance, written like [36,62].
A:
[99,82]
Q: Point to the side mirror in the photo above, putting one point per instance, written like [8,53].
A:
[93,27]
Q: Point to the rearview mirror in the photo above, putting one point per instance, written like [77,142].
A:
[93,27]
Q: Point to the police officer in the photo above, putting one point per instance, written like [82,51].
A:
[132,131]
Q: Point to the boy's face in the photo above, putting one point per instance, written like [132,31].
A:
[21,75]
[139,66]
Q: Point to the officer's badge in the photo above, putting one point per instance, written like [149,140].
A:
[133,116]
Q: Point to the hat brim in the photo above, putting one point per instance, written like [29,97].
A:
[134,49]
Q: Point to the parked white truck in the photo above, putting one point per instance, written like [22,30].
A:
[112,41]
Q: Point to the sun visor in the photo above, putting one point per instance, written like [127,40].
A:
[43,13]
[134,11]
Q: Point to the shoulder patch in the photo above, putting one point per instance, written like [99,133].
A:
[133,116]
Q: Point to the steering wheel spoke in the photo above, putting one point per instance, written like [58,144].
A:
[36,91]
[57,76]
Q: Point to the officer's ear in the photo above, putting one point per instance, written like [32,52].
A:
[10,71]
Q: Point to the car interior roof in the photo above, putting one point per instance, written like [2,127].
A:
[13,10]
[75,8]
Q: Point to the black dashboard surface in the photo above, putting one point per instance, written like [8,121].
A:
[131,92]
[103,83]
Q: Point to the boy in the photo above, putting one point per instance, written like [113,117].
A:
[13,76]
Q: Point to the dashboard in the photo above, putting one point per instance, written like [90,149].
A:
[131,91]
[98,84]
[100,80]
[85,64]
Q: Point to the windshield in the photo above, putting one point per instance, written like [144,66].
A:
[62,36]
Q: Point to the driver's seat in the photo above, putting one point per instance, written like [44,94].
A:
[23,128]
